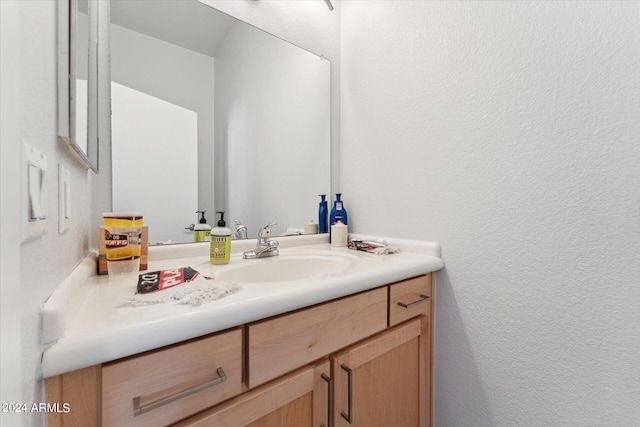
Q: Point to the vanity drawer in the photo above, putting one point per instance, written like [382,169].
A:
[410,298]
[281,344]
[163,386]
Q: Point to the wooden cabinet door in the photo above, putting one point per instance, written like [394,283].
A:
[385,380]
[299,399]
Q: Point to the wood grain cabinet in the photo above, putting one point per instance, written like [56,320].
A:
[282,343]
[384,381]
[362,360]
[161,387]
[298,399]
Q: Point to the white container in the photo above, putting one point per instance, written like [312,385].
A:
[339,233]
[311,227]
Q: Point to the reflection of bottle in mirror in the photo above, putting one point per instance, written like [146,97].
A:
[202,231]
[338,213]
[323,216]
[220,251]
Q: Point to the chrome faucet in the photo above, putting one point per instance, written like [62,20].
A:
[241,230]
[265,247]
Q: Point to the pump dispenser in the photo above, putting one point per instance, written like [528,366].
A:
[202,231]
[338,213]
[220,252]
[323,215]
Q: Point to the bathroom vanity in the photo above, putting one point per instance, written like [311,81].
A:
[348,348]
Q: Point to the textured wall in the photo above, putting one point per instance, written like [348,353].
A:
[509,132]
[29,114]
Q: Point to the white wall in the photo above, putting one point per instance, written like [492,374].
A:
[509,132]
[309,25]
[11,336]
[145,133]
[181,77]
[253,150]
[30,271]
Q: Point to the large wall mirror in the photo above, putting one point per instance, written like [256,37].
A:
[212,114]
[77,77]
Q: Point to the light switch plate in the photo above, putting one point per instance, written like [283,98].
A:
[34,209]
[64,199]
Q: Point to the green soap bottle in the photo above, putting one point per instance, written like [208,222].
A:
[220,251]
[202,231]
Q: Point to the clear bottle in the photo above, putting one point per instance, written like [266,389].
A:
[220,251]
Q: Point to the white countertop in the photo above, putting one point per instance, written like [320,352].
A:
[85,323]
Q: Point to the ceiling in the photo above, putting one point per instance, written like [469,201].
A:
[185,23]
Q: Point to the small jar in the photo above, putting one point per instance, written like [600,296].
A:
[311,227]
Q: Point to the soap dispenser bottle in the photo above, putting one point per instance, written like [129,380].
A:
[220,251]
[202,231]
[323,212]
[338,213]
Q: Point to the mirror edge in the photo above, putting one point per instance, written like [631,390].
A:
[66,67]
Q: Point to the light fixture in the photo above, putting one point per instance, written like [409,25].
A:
[328,2]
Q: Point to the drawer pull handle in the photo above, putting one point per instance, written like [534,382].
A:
[141,409]
[349,415]
[330,411]
[423,298]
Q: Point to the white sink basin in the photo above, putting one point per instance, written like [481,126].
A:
[283,268]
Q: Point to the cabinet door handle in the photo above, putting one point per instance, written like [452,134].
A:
[349,415]
[141,409]
[423,298]
[330,390]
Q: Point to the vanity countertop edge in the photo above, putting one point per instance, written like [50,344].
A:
[85,324]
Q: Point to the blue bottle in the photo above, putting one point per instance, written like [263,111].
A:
[338,213]
[323,216]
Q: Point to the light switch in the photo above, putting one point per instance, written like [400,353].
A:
[34,210]
[35,179]
[64,199]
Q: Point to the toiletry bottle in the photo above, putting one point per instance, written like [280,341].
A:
[202,231]
[220,242]
[323,216]
[338,212]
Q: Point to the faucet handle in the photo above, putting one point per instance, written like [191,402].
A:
[265,231]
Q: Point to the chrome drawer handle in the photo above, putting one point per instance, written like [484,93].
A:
[141,409]
[330,410]
[423,298]
[349,415]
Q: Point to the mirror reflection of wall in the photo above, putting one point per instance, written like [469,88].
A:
[254,109]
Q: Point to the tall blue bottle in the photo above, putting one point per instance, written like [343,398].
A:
[338,213]
[323,213]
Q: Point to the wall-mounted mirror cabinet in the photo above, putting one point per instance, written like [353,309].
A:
[77,80]
[210,113]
